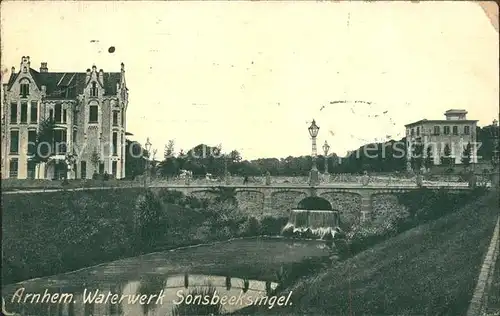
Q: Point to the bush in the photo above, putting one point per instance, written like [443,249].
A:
[149,222]
[272,226]
[251,227]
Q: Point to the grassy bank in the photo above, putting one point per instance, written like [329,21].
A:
[54,232]
[429,270]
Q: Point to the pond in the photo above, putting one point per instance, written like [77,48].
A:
[244,271]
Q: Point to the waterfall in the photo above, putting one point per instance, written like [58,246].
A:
[312,224]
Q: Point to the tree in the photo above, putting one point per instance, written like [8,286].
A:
[429,159]
[95,159]
[44,145]
[466,155]
[446,159]
[235,156]
[169,150]
[417,156]
[134,162]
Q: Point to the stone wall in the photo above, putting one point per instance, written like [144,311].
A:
[348,205]
[283,201]
[386,209]
[251,202]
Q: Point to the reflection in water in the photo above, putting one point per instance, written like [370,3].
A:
[151,285]
[228,283]
[160,292]
[246,285]
[186,280]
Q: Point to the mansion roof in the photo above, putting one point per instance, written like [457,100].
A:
[67,85]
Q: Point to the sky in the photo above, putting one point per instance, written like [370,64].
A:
[252,75]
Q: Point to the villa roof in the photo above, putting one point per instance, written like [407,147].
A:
[67,85]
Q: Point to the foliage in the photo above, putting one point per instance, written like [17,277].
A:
[149,222]
[429,159]
[466,155]
[417,157]
[95,158]
[446,159]
[134,161]
[45,135]
[487,136]
[272,226]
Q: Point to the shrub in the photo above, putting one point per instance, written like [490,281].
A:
[250,227]
[272,226]
[148,220]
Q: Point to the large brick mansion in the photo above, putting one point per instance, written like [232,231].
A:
[89,113]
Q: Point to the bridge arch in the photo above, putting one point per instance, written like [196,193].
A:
[315,203]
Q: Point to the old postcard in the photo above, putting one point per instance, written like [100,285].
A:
[250,158]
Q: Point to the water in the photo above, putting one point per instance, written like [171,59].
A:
[246,268]
[313,223]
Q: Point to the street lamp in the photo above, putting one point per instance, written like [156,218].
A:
[495,143]
[313,131]
[148,148]
[326,148]
[226,172]
[495,177]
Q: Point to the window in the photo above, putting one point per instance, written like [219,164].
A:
[115,143]
[58,112]
[93,114]
[446,130]
[34,112]
[25,89]
[123,118]
[467,130]
[51,114]
[64,115]
[93,90]
[115,118]
[418,131]
[31,169]
[74,136]
[83,169]
[24,112]
[101,168]
[455,130]
[60,141]
[437,130]
[13,167]
[113,168]
[31,142]
[412,132]
[13,113]
[14,142]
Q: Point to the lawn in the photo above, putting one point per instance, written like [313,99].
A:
[429,270]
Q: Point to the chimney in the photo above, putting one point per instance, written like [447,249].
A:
[43,67]
[13,69]
[87,76]
[101,76]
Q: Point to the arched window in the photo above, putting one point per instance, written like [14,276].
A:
[24,88]
[93,113]
[93,90]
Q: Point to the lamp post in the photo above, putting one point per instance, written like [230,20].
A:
[148,148]
[226,176]
[313,177]
[495,158]
[326,148]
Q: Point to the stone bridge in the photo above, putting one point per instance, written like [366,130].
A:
[353,201]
